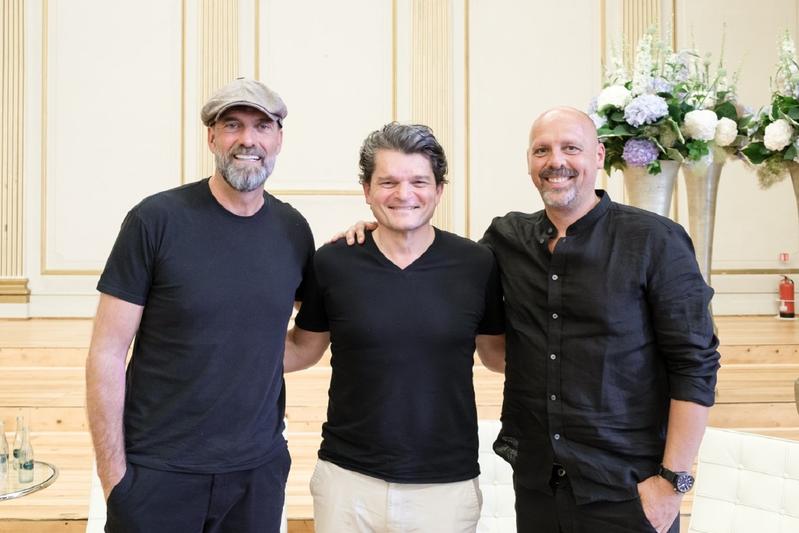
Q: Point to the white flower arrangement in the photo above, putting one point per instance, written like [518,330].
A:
[671,109]
[774,142]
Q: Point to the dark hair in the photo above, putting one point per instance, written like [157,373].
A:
[405,138]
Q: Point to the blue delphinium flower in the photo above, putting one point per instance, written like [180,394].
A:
[640,152]
[645,109]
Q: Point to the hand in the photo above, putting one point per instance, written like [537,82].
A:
[111,479]
[660,501]
[356,231]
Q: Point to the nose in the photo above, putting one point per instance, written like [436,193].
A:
[556,158]
[247,137]
[403,190]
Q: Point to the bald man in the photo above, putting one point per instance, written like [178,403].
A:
[611,356]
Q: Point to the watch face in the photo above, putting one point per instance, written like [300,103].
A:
[683,482]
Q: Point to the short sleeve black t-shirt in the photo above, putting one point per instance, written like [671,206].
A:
[204,391]
[401,401]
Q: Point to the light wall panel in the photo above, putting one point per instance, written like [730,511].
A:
[752,225]
[332,62]
[524,57]
[111,129]
[329,214]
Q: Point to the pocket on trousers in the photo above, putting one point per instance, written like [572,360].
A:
[644,520]
[314,483]
[123,487]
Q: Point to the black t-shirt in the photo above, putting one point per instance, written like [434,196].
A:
[204,389]
[401,401]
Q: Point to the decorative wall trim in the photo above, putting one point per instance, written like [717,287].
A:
[14,291]
[43,268]
[431,82]
[219,60]
[467,174]
[12,105]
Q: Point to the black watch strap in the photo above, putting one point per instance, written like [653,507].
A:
[681,481]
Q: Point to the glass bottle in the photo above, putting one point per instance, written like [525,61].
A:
[18,440]
[3,452]
[25,458]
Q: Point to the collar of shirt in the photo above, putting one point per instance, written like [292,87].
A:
[545,229]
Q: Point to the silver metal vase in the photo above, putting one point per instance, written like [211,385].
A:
[651,191]
[701,187]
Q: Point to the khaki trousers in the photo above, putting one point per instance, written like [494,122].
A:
[347,501]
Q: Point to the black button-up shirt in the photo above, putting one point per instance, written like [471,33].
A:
[601,334]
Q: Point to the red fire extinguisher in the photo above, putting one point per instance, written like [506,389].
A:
[786,297]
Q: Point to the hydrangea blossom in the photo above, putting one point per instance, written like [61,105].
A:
[640,152]
[660,85]
[599,121]
[778,135]
[614,95]
[700,124]
[645,109]
[726,132]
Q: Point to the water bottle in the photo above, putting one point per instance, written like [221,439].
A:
[25,458]
[18,441]
[3,452]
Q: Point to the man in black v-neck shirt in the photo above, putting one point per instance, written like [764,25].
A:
[403,314]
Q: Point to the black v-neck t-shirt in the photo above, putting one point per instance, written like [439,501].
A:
[401,400]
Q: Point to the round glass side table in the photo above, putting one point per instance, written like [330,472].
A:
[44,474]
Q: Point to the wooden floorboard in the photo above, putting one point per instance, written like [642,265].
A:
[42,375]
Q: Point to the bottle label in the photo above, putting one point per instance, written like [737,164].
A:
[16,453]
[27,465]
[3,459]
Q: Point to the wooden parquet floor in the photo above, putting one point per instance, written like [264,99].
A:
[41,374]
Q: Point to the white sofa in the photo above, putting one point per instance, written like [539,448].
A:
[746,483]
[496,483]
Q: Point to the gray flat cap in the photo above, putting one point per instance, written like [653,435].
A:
[244,92]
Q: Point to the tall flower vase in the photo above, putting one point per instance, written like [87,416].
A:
[794,170]
[702,187]
[651,191]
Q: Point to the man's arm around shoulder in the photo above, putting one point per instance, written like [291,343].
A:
[304,348]
[115,325]
[491,350]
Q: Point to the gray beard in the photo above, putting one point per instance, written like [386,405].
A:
[552,200]
[244,179]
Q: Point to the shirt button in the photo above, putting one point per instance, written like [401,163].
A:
[549,230]
[553,397]
[553,356]
[540,241]
[557,436]
[554,277]
[555,316]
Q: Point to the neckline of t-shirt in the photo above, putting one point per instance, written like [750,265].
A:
[372,246]
[233,216]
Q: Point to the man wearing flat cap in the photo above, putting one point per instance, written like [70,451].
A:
[189,438]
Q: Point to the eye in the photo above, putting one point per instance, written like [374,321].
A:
[230,125]
[540,150]
[572,149]
[266,126]
[420,183]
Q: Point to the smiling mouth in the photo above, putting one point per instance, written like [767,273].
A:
[246,157]
[404,207]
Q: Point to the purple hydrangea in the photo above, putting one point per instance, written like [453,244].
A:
[645,109]
[640,152]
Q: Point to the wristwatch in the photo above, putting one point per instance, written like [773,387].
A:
[681,481]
